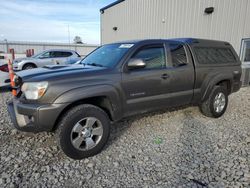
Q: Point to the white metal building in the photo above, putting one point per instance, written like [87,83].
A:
[142,19]
[227,20]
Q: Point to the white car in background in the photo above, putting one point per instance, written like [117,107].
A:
[48,57]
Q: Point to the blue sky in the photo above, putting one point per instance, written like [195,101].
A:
[48,20]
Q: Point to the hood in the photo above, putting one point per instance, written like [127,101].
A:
[52,71]
[22,59]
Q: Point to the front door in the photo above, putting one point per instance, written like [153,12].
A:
[144,87]
[45,59]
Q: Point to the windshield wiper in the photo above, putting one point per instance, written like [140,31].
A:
[95,64]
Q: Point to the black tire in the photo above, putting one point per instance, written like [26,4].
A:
[29,66]
[70,119]
[207,107]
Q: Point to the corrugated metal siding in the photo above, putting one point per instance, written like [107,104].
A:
[21,47]
[142,19]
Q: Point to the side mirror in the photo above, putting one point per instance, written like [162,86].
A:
[136,64]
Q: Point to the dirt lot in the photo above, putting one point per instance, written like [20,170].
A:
[168,149]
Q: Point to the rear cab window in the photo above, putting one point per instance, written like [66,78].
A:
[214,55]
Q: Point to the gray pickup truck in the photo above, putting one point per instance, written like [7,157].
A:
[119,80]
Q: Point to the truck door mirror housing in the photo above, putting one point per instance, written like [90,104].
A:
[136,64]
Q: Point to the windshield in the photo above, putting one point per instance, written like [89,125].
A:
[107,55]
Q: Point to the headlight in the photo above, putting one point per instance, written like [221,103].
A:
[34,90]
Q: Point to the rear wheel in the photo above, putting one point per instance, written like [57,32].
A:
[83,131]
[216,104]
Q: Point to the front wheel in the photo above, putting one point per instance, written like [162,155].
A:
[28,66]
[216,104]
[83,131]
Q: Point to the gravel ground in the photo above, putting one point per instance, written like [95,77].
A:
[168,149]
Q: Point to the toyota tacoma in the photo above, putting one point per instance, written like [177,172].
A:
[118,80]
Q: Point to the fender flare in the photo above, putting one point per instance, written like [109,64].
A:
[211,81]
[78,94]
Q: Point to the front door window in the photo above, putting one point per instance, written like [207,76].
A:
[154,57]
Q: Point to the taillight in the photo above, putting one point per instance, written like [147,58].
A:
[4,68]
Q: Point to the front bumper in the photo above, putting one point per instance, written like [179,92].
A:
[34,117]
[17,66]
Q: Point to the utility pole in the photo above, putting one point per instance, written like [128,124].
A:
[7,46]
[68,34]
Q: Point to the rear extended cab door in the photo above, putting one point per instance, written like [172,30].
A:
[181,74]
[147,89]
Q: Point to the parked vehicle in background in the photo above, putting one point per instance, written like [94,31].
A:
[2,59]
[120,80]
[4,75]
[75,63]
[48,57]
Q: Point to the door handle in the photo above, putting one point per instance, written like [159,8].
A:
[164,76]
